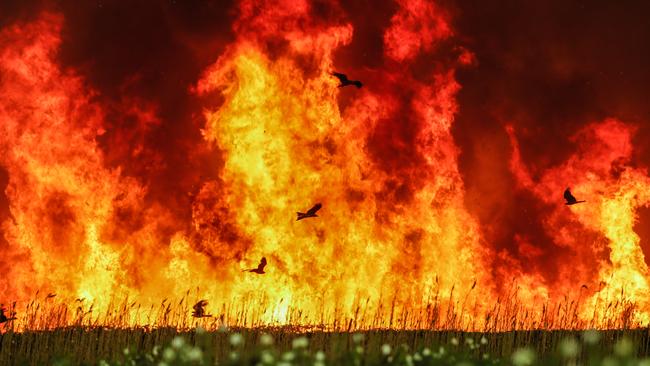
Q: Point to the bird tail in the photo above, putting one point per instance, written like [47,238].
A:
[301,215]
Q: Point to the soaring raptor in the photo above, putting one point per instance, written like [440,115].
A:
[311,213]
[570,200]
[345,81]
[260,267]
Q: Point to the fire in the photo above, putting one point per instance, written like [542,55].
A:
[599,170]
[287,146]
[395,244]
[59,192]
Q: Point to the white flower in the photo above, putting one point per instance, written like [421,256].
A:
[386,349]
[417,357]
[266,339]
[300,342]
[359,349]
[454,341]
[288,356]
[523,357]
[267,357]
[484,340]
[569,348]
[469,341]
[320,356]
[426,352]
[409,360]
[178,342]
[169,354]
[236,339]
[357,337]
[194,354]
[234,356]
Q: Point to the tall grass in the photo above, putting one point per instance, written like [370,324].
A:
[434,313]
[48,328]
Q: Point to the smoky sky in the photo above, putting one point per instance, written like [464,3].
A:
[547,68]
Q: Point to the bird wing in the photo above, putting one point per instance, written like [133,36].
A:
[262,264]
[342,77]
[314,209]
[568,196]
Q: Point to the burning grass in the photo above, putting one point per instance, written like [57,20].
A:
[49,329]
[439,312]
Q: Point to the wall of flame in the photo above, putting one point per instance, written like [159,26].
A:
[105,200]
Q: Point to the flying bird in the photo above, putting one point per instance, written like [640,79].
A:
[345,81]
[260,267]
[570,200]
[3,317]
[199,311]
[311,213]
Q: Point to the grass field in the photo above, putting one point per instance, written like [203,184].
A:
[284,346]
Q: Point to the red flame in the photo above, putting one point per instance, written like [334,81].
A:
[97,206]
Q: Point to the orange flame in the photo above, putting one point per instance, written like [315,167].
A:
[394,234]
[599,171]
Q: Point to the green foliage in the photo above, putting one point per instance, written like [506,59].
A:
[267,348]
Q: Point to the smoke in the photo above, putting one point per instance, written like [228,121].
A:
[548,69]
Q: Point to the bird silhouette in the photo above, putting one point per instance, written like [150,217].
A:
[3,317]
[345,81]
[199,311]
[311,213]
[260,267]
[570,200]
